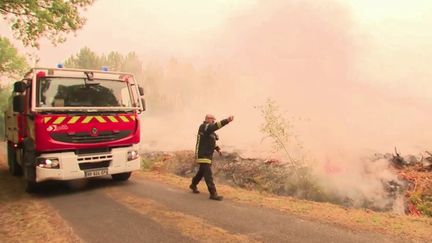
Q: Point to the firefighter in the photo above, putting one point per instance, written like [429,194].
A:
[205,147]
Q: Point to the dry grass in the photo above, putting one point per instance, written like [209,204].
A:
[409,227]
[27,219]
[270,176]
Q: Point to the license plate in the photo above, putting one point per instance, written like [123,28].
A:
[97,172]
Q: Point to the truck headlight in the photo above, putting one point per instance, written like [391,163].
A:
[50,163]
[133,154]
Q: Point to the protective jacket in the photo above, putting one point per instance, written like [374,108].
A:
[206,141]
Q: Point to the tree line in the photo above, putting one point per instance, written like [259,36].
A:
[31,20]
[169,86]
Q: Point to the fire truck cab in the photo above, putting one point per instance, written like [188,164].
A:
[66,124]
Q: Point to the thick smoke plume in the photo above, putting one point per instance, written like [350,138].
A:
[308,56]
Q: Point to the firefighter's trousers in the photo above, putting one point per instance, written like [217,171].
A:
[206,172]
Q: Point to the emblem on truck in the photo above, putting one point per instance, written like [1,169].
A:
[53,128]
[94,131]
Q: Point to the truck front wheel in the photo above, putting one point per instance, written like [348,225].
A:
[31,187]
[121,176]
[14,168]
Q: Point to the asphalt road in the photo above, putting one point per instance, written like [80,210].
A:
[141,210]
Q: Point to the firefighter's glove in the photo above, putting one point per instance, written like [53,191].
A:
[217,148]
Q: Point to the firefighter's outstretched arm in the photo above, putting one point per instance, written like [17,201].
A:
[218,125]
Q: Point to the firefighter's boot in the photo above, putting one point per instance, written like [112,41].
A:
[215,196]
[194,189]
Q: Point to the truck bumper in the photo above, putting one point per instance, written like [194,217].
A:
[73,166]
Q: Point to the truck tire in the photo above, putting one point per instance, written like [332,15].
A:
[28,161]
[121,176]
[31,187]
[14,168]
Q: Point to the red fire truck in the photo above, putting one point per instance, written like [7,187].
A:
[65,124]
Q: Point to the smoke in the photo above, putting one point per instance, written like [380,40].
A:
[361,181]
[311,58]
[308,56]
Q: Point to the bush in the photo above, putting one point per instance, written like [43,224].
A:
[4,102]
[252,174]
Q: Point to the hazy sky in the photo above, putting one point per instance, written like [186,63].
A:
[155,27]
[150,27]
[382,47]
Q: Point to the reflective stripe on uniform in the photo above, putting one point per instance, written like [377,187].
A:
[204,161]
[219,124]
[197,146]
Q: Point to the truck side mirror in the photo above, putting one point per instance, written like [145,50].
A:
[19,103]
[143,103]
[19,87]
[141,90]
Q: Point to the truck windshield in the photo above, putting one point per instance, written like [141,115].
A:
[77,92]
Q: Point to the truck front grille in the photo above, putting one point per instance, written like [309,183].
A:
[94,161]
[88,166]
[86,137]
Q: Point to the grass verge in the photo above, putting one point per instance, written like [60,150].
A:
[401,226]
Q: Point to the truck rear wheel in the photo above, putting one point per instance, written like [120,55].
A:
[14,168]
[121,176]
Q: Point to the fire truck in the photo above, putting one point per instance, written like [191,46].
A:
[66,124]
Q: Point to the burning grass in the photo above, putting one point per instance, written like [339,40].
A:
[411,190]
[419,193]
